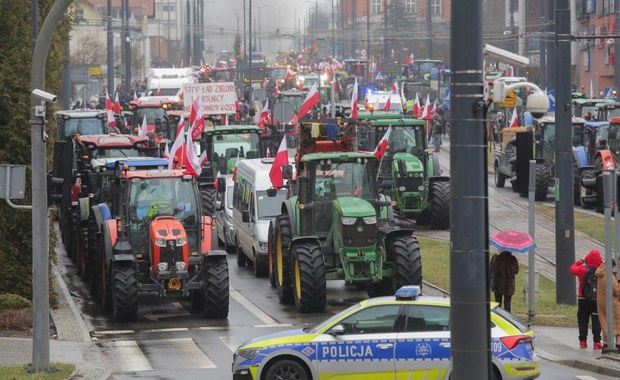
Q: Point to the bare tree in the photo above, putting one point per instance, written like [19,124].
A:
[91,50]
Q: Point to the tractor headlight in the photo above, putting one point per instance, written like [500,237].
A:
[160,242]
[162,267]
[348,221]
[181,241]
[180,266]
[370,219]
[418,175]
[402,189]
[420,188]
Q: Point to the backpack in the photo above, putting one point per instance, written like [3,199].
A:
[588,284]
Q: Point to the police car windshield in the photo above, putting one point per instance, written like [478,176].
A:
[331,320]
[270,207]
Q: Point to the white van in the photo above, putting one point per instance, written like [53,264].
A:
[252,212]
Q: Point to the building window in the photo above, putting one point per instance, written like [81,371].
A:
[436,7]
[410,6]
[79,14]
[376,6]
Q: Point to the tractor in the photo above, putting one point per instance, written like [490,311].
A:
[80,121]
[149,236]
[536,143]
[606,157]
[337,225]
[225,144]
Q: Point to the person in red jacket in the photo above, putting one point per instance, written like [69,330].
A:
[586,308]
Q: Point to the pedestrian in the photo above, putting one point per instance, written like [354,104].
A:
[506,269]
[437,122]
[601,303]
[586,306]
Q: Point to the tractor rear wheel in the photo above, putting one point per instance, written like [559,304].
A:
[499,177]
[283,259]
[576,184]
[208,200]
[542,182]
[583,191]
[440,205]
[216,287]
[308,277]
[124,292]
[271,239]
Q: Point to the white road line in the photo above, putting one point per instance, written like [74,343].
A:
[585,377]
[258,313]
[172,329]
[214,328]
[278,325]
[189,353]
[130,357]
[231,342]
[113,332]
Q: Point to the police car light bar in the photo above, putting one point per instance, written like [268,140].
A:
[408,292]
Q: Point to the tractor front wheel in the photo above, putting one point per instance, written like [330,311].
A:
[308,277]
[216,287]
[208,200]
[587,174]
[440,205]
[283,259]
[124,292]
[407,267]
[271,241]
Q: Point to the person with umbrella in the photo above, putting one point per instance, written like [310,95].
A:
[506,268]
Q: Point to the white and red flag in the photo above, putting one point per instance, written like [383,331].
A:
[395,87]
[198,126]
[109,108]
[289,74]
[427,107]
[144,127]
[514,120]
[192,162]
[159,90]
[203,159]
[264,115]
[410,59]
[311,100]
[416,111]
[382,145]
[177,148]
[354,101]
[388,104]
[116,107]
[167,151]
[281,159]
[193,112]
[135,95]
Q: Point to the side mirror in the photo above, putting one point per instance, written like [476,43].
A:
[221,184]
[245,216]
[612,134]
[336,330]
[402,168]
[219,206]
[602,144]
[287,171]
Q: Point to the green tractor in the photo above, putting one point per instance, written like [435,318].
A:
[338,226]
[224,145]
[408,173]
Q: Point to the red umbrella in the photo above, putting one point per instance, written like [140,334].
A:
[513,241]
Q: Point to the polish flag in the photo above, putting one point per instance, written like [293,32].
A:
[193,112]
[354,101]
[410,59]
[434,109]
[193,163]
[167,151]
[311,99]
[268,153]
[387,105]
[416,106]
[276,91]
[177,148]
[117,105]
[143,127]
[159,90]
[199,124]
[395,87]
[264,115]
[427,105]
[275,173]
[514,120]
[237,111]
[203,159]
[135,95]
[109,107]
[180,92]
[382,145]
[289,74]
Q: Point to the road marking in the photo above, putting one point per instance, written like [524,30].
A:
[231,342]
[189,353]
[585,377]
[258,313]
[214,328]
[172,329]
[278,325]
[113,332]
[131,357]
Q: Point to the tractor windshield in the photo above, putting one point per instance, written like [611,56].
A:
[84,127]
[230,146]
[117,153]
[345,179]
[408,140]
[150,113]
[150,197]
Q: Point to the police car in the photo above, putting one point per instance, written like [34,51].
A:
[406,336]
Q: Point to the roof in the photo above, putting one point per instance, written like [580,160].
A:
[598,124]
[114,140]
[154,101]
[80,113]
[551,119]
[138,7]
[310,157]
[226,129]
[153,174]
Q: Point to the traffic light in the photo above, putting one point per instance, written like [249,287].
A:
[54,190]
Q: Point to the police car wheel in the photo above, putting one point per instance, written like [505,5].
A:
[287,370]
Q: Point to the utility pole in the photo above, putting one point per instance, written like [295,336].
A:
[564,211]
[429,24]
[542,44]
[110,50]
[248,98]
[551,46]
[188,34]
[127,45]
[354,23]
[469,240]
[616,44]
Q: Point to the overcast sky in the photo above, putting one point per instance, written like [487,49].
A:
[274,14]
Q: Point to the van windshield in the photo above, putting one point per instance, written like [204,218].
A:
[270,207]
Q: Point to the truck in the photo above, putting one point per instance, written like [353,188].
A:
[337,225]
[167,81]
[149,235]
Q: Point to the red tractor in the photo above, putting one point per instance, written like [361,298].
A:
[154,108]
[151,237]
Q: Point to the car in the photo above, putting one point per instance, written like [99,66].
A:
[402,336]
